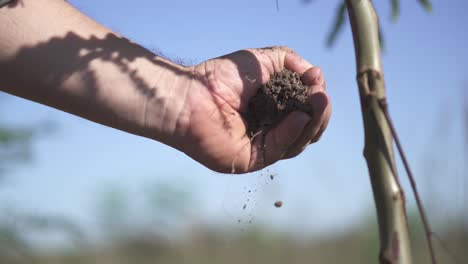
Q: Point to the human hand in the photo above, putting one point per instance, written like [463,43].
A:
[218,94]
[101,76]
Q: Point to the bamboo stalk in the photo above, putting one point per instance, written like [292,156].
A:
[378,150]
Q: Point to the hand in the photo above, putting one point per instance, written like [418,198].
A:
[219,92]
[119,84]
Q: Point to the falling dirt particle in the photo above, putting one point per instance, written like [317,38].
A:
[278,204]
[238,221]
[250,191]
[272,177]
[250,221]
[245,206]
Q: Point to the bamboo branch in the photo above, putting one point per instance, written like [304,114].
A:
[378,150]
[422,212]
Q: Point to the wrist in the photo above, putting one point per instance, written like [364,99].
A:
[165,108]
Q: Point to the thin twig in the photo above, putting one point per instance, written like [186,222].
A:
[384,106]
[446,248]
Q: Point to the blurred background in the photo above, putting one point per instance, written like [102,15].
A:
[72,191]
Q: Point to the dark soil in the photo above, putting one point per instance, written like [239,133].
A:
[274,100]
[278,204]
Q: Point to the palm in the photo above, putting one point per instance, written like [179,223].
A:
[221,94]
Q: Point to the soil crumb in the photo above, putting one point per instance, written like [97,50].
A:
[281,95]
[278,204]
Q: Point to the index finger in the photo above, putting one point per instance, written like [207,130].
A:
[295,63]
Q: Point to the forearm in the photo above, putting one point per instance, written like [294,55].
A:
[52,54]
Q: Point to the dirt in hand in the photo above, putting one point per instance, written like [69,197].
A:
[274,100]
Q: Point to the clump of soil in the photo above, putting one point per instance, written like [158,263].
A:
[278,204]
[274,100]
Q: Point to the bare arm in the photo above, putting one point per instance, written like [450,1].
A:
[53,54]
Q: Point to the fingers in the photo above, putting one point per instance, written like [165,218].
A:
[298,129]
[313,76]
[296,63]
[321,107]
[274,145]
[315,128]
[293,134]
[321,111]
[276,58]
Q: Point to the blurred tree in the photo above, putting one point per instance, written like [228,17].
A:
[113,212]
[16,141]
[168,202]
[16,227]
[164,205]
[15,145]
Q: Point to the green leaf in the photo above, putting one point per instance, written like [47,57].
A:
[381,39]
[337,25]
[395,9]
[426,4]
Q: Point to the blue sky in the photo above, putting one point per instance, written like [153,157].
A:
[325,188]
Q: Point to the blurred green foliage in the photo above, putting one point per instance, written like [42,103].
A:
[15,146]
[168,201]
[16,141]
[339,22]
[426,4]
[256,245]
[16,227]
[341,18]
[113,211]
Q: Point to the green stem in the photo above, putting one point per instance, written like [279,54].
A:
[378,150]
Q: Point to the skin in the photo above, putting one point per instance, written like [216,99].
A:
[52,54]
